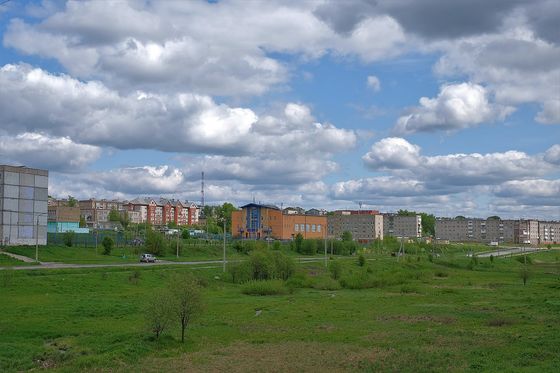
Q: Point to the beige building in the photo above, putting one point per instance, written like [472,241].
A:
[402,226]
[364,227]
[527,232]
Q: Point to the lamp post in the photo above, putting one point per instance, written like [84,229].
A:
[224,264]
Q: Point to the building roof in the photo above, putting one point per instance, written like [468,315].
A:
[260,205]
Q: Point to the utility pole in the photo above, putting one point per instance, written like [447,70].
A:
[224,269]
[177,244]
[37,241]
[325,239]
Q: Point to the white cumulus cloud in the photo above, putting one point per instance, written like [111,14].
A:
[457,106]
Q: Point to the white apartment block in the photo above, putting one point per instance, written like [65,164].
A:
[23,205]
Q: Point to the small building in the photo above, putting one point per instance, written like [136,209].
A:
[64,219]
[258,221]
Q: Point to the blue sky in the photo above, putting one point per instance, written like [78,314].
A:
[449,109]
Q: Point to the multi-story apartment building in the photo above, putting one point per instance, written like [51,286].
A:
[96,212]
[258,221]
[527,232]
[549,232]
[475,230]
[23,205]
[365,226]
[402,225]
[163,211]
[63,218]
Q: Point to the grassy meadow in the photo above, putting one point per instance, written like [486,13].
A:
[410,315]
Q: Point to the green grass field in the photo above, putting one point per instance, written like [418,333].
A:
[6,261]
[418,316]
[82,255]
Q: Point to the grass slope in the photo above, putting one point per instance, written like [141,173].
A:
[418,316]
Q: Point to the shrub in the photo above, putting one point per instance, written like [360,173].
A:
[335,269]
[158,312]
[284,266]
[264,287]
[263,265]
[240,272]
[361,260]
[107,244]
[309,247]
[276,245]
[327,283]
[299,280]
[430,258]
[441,274]
[524,259]
[491,258]
[68,238]
[155,243]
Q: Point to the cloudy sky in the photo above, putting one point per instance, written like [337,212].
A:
[449,107]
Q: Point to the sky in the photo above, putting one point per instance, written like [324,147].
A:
[446,107]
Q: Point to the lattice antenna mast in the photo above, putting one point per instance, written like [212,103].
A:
[202,191]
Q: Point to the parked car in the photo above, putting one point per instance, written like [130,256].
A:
[147,258]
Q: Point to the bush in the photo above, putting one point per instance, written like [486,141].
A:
[299,280]
[158,312]
[276,245]
[491,258]
[361,260]
[441,274]
[263,265]
[68,238]
[107,244]
[284,266]
[327,283]
[335,269]
[522,258]
[155,243]
[266,287]
[240,272]
[309,247]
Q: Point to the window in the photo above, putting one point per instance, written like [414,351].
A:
[319,228]
[313,228]
[307,228]
[296,227]
[302,227]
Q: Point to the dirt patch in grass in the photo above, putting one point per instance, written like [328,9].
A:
[416,319]
[271,357]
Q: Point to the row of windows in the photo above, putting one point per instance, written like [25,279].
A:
[307,227]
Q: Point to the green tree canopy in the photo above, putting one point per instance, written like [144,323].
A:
[346,236]
[114,215]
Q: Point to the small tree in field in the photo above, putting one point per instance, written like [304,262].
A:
[186,300]
[68,238]
[158,312]
[108,244]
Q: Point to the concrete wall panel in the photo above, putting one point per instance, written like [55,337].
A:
[41,181]
[11,191]
[11,178]
[27,180]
